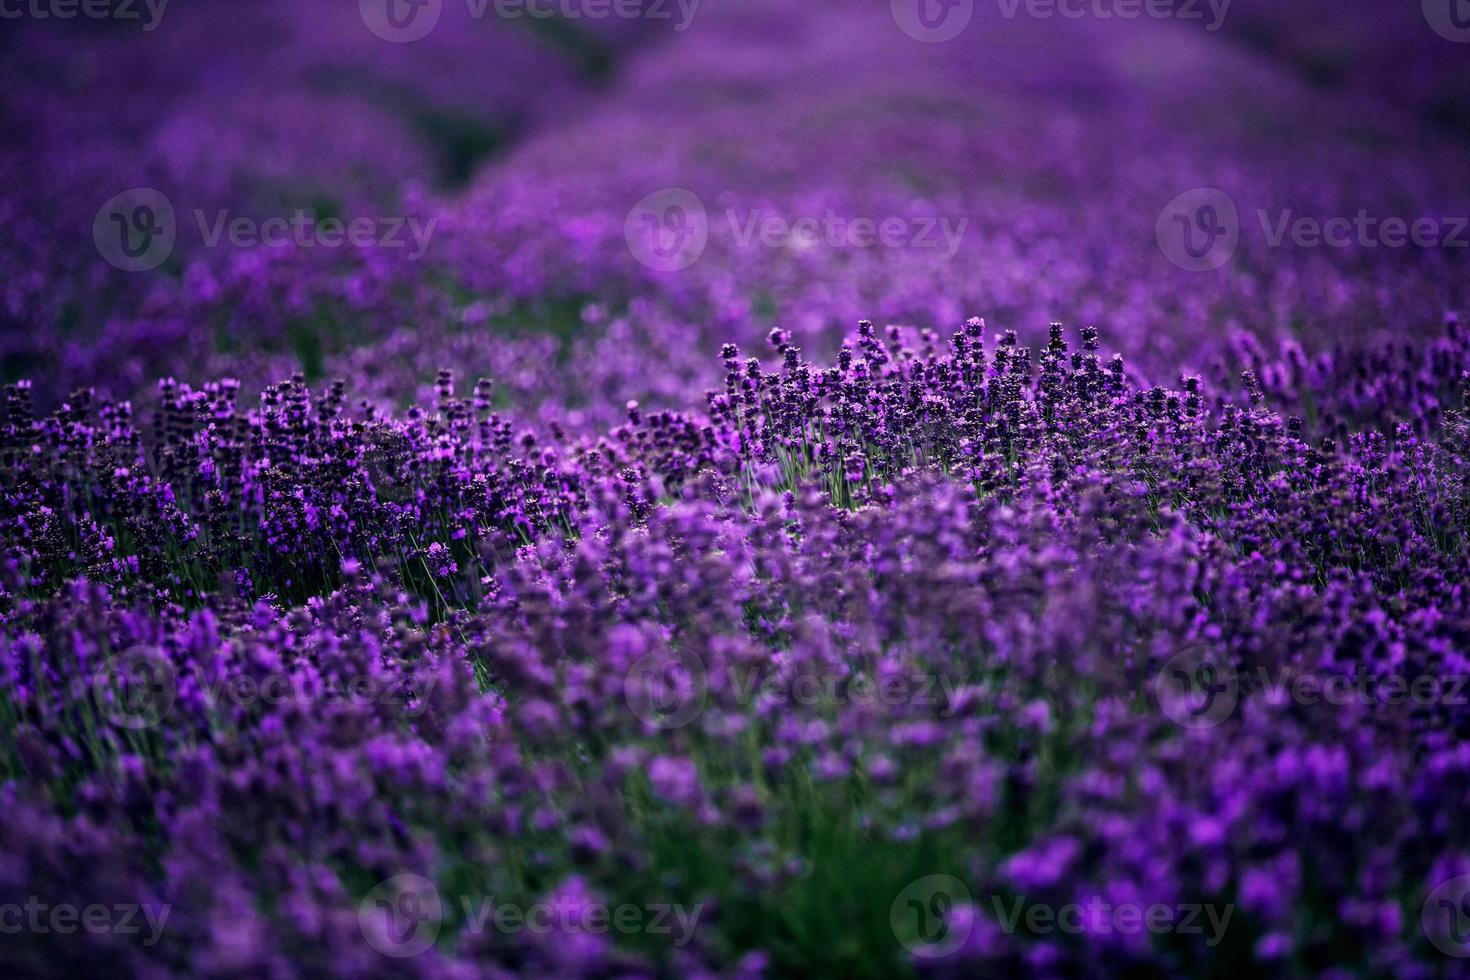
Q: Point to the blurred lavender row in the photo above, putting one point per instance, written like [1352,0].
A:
[1048,149]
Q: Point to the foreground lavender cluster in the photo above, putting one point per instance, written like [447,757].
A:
[583,665]
[694,624]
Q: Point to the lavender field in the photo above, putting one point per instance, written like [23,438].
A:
[735,488]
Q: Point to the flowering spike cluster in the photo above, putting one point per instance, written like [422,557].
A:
[1017,544]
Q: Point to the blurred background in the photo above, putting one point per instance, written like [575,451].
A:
[583,199]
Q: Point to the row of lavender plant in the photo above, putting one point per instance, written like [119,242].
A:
[628,673]
[1039,155]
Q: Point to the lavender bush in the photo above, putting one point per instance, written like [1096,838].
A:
[645,577]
